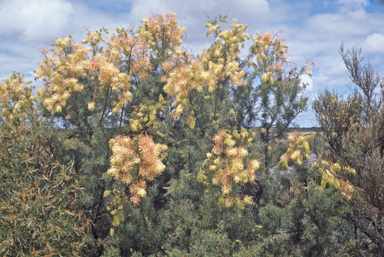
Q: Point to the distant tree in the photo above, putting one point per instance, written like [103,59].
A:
[353,127]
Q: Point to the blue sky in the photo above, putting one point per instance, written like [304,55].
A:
[313,29]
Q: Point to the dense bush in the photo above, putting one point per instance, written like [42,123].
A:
[136,147]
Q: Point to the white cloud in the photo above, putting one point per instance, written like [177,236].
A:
[353,4]
[321,38]
[332,73]
[374,43]
[308,81]
[193,13]
[338,25]
[19,57]
[34,19]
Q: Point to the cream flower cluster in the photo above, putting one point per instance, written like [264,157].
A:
[330,173]
[298,150]
[15,98]
[127,57]
[226,165]
[219,62]
[136,160]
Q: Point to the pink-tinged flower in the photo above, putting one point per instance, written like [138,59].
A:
[267,37]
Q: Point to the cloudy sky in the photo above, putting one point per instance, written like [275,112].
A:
[313,29]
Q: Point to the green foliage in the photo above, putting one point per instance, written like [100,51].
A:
[308,220]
